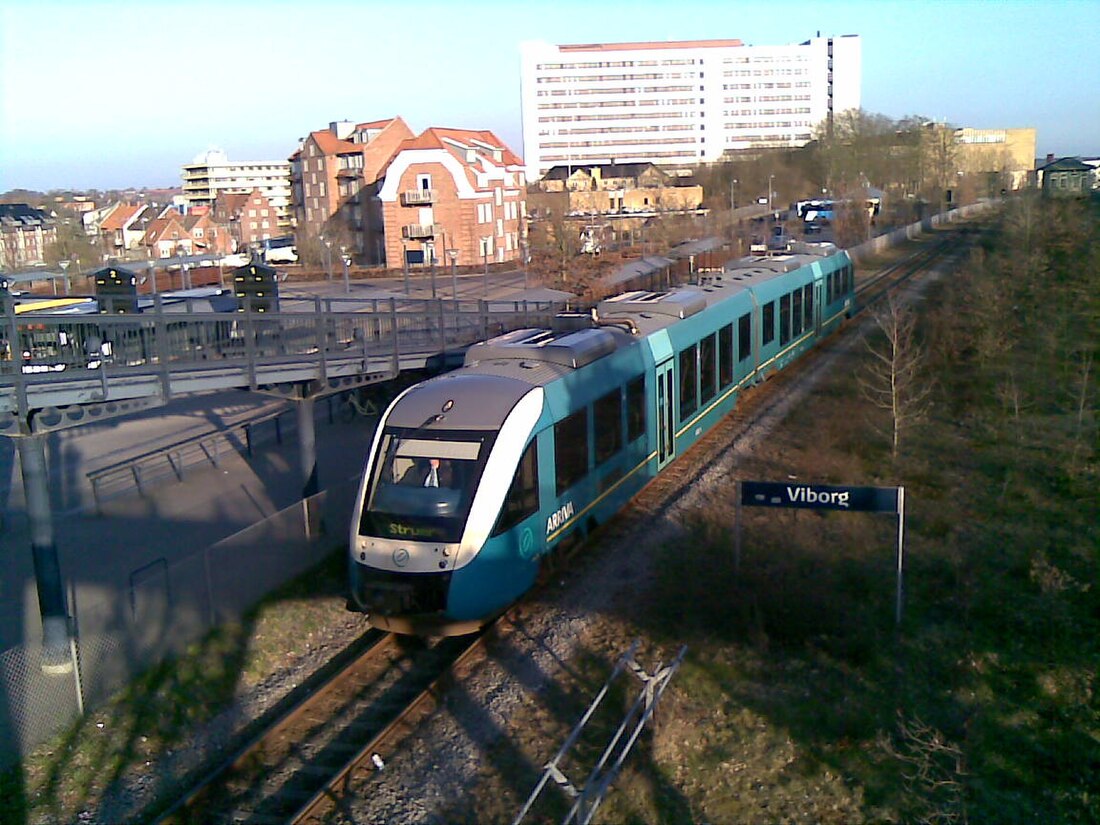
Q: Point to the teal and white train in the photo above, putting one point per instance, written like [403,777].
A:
[543,434]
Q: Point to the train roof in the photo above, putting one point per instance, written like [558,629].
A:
[464,400]
[540,356]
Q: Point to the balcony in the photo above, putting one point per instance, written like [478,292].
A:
[417,197]
[420,230]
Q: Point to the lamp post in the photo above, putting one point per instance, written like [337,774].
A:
[347,263]
[770,179]
[485,256]
[405,265]
[525,255]
[452,255]
[65,272]
[153,276]
[328,260]
[733,196]
[429,247]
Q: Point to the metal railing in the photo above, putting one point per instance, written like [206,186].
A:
[417,196]
[51,360]
[173,460]
[419,230]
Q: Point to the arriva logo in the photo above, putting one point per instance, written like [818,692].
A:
[557,519]
[808,495]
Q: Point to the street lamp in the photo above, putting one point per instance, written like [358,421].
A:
[328,260]
[452,255]
[770,179]
[347,263]
[485,255]
[733,197]
[525,254]
[405,265]
[65,272]
[429,247]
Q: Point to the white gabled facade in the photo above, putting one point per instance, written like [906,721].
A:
[679,103]
[453,189]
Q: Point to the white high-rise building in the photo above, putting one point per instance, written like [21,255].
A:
[212,172]
[679,103]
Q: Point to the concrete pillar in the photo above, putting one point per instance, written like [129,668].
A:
[56,656]
[307,446]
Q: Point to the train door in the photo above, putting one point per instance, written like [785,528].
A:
[666,434]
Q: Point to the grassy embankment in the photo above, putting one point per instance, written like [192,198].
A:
[801,701]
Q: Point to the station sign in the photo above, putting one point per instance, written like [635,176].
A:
[819,497]
[825,497]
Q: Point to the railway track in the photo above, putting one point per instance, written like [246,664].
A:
[754,402]
[319,741]
[320,753]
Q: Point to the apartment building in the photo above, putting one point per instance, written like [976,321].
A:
[249,219]
[124,227]
[171,234]
[453,194]
[335,176]
[25,232]
[1008,154]
[679,103]
[212,173]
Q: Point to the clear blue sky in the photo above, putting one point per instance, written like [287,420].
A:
[115,94]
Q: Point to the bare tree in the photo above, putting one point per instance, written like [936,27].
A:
[934,772]
[894,380]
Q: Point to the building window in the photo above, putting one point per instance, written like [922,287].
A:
[423,182]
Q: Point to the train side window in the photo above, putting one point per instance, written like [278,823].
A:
[725,355]
[635,408]
[571,450]
[523,496]
[609,424]
[708,369]
[784,319]
[744,336]
[796,312]
[768,313]
[808,302]
[688,402]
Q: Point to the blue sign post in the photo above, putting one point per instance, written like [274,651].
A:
[825,497]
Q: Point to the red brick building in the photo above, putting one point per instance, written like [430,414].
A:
[250,219]
[172,234]
[334,175]
[453,189]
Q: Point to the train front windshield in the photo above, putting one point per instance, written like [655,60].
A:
[421,487]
